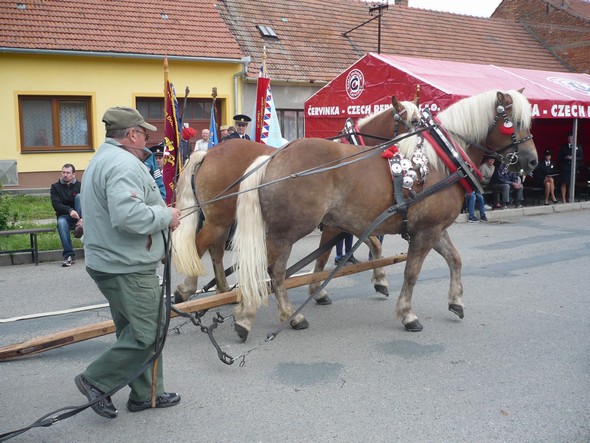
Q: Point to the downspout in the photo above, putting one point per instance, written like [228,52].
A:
[245,62]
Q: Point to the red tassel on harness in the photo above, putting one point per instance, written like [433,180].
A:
[507,128]
[389,152]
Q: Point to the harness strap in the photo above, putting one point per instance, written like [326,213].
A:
[451,154]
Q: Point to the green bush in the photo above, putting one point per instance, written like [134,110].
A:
[6,202]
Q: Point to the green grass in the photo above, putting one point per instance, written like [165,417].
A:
[24,212]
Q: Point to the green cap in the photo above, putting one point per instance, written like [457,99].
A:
[122,117]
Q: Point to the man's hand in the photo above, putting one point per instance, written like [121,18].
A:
[74,214]
[175,222]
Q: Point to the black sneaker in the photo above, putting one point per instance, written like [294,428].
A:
[68,261]
[338,260]
[352,260]
[104,407]
[166,400]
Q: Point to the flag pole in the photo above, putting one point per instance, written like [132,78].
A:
[155,363]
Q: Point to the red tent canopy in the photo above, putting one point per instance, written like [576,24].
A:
[367,86]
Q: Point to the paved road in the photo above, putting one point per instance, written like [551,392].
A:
[516,369]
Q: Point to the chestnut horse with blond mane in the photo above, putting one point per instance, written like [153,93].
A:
[273,217]
[214,175]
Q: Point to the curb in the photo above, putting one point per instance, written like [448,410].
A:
[500,215]
[24,258]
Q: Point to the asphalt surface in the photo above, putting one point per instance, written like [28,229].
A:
[515,369]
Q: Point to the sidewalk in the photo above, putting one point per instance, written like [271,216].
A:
[494,216]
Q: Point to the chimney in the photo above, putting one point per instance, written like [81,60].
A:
[401,2]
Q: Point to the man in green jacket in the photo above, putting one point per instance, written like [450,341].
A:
[126,222]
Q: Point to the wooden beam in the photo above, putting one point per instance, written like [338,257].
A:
[75,335]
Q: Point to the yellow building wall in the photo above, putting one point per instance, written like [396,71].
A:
[109,81]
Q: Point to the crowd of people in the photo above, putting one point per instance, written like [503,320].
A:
[507,188]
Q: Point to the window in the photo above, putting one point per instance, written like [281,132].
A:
[291,122]
[55,123]
[267,31]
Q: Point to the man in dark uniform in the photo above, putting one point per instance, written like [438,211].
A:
[241,123]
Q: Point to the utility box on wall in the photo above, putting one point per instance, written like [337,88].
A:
[8,173]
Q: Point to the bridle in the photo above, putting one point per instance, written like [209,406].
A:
[508,128]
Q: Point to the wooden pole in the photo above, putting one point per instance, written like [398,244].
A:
[75,335]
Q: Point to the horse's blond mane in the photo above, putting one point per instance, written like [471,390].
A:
[410,107]
[471,118]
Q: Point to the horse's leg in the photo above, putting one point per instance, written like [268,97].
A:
[322,297]
[217,251]
[378,278]
[185,289]
[420,244]
[207,238]
[279,250]
[447,250]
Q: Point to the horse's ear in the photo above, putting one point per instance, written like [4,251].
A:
[501,97]
[396,104]
[417,95]
[520,90]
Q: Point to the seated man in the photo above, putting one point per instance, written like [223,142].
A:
[65,199]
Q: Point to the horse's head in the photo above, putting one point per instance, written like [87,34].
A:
[510,132]
[385,125]
[500,121]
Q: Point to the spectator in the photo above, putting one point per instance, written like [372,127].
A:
[158,151]
[241,122]
[65,199]
[565,164]
[504,176]
[471,199]
[41,139]
[203,144]
[223,132]
[546,171]
[347,243]
[126,225]
[488,171]
[154,166]
[230,131]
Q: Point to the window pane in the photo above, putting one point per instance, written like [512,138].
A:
[300,124]
[290,125]
[73,123]
[37,122]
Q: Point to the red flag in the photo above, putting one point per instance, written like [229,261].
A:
[171,137]
[261,94]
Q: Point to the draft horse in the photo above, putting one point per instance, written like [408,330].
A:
[271,219]
[215,174]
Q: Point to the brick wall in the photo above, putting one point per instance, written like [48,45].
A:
[566,35]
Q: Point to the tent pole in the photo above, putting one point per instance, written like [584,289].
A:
[574,173]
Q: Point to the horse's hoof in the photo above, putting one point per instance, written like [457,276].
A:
[456,309]
[178,298]
[325,300]
[382,289]
[241,331]
[303,324]
[413,326]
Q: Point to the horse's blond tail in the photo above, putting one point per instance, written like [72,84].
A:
[249,243]
[184,249]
